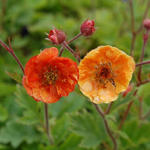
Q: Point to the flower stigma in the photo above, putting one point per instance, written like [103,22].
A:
[50,76]
[104,74]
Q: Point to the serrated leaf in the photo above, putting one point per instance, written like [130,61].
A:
[60,129]
[16,133]
[31,109]
[90,127]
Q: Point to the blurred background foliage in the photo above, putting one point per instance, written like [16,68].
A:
[75,123]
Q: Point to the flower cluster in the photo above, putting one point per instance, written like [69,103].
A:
[103,73]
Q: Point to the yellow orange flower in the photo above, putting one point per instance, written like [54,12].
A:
[104,73]
[48,77]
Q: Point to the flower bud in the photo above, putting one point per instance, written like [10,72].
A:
[146,24]
[56,36]
[125,93]
[87,28]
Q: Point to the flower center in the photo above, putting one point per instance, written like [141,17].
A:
[50,76]
[104,74]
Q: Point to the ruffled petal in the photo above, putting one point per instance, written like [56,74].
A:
[48,54]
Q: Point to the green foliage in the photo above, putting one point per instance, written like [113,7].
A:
[16,133]
[75,125]
[90,127]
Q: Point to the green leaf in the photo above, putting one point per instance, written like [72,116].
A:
[31,109]
[16,133]
[60,129]
[3,114]
[121,101]
[17,77]
[10,88]
[90,127]
[138,133]
[68,104]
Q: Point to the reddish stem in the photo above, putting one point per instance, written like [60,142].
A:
[143,63]
[132,44]
[132,27]
[106,125]
[140,108]
[143,82]
[108,108]
[125,115]
[47,124]
[142,56]
[11,51]
[135,32]
[71,50]
[144,16]
[74,38]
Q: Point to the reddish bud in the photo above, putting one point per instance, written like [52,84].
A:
[87,28]
[130,87]
[57,36]
[146,24]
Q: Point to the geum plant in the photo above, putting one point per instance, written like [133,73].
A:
[101,75]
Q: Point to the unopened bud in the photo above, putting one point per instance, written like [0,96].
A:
[125,93]
[57,36]
[87,28]
[146,24]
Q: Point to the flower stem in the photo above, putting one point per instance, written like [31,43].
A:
[135,32]
[11,51]
[132,44]
[108,108]
[140,108]
[144,16]
[143,63]
[143,82]
[106,126]
[125,115]
[47,124]
[74,38]
[71,50]
[142,56]
[132,27]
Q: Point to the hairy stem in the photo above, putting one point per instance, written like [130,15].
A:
[108,108]
[11,51]
[143,63]
[135,32]
[133,44]
[125,115]
[106,126]
[143,82]
[74,38]
[132,27]
[71,50]
[140,108]
[144,16]
[142,57]
[47,124]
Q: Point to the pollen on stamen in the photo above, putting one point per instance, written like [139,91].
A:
[50,77]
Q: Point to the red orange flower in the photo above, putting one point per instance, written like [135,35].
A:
[48,77]
[104,73]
